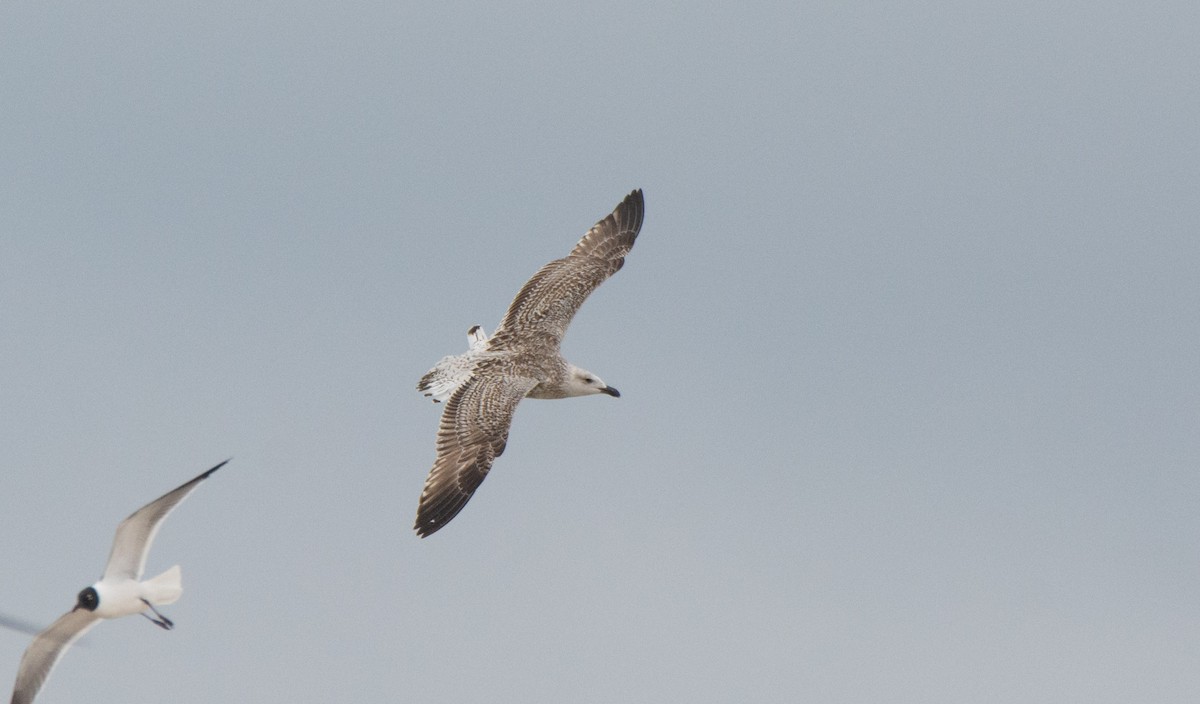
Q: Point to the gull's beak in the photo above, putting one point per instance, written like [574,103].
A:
[611,392]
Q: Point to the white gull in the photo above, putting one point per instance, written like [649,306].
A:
[120,592]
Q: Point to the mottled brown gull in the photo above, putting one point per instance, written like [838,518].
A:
[483,386]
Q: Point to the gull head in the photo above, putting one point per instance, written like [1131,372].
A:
[87,600]
[581,382]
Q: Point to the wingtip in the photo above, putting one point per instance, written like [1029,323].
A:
[219,465]
[633,207]
[427,524]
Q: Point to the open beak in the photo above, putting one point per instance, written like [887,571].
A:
[611,392]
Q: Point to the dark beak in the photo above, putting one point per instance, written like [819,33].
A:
[611,392]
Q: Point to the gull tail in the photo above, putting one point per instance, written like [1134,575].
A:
[443,380]
[166,588]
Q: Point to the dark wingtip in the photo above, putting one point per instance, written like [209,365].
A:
[424,530]
[220,465]
[635,205]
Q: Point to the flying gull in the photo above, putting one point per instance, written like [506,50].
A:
[483,386]
[120,592]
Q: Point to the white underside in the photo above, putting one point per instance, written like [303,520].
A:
[125,597]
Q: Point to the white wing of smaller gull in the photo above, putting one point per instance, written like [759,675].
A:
[483,386]
[120,592]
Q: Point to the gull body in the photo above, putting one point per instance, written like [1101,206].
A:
[120,591]
[481,387]
[120,596]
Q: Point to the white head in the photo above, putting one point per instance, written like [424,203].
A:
[581,382]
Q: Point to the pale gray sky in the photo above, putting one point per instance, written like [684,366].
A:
[907,347]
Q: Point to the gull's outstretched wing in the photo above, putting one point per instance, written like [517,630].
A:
[546,303]
[15,624]
[472,434]
[136,533]
[44,652]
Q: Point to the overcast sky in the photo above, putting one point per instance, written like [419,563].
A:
[907,347]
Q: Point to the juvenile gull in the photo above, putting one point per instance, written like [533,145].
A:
[483,386]
[120,592]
